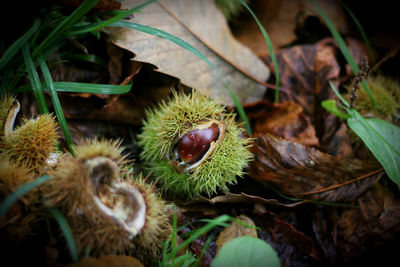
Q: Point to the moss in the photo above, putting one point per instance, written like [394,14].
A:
[230,8]
[387,94]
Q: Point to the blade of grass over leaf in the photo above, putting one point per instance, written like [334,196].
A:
[35,81]
[91,88]
[343,48]
[339,95]
[21,191]
[120,15]
[206,244]
[216,222]
[17,45]
[56,102]
[270,48]
[362,32]
[65,25]
[190,48]
[92,58]
[62,222]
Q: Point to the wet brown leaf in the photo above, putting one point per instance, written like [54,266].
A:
[293,247]
[308,173]
[281,18]
[202,25]
[235,230]
[285,120]
[305,71]
[348,235]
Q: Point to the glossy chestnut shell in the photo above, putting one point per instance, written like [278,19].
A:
[197,145]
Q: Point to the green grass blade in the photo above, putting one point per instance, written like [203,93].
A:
[190,48]
[91,88]
[173,236]
[217,221]
[17,45]
[343,48]
[62,222]
[331,106]
[339,95]
[120,15]
[56,102]
[270,48]
[65,25]
[21,191]
[362,32]
[91,58]
[206,244]
[35,81]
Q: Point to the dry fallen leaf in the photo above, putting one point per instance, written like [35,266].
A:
[202,25]
[281,19]
[235,230]
[305,71]
[286,120]
[307,173]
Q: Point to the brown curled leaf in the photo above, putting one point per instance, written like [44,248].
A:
[286,120]
[308,173]
[305,72]
[235,230]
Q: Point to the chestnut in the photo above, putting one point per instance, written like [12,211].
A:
[193,146]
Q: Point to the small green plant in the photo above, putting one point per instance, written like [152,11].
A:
[245,251]
[172,253]
[344,49]
[381,137]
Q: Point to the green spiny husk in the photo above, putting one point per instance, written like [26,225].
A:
[178,116]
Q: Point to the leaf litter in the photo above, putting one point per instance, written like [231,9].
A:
[301,151]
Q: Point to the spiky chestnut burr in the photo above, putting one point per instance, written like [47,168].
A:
[20,220]
[107,211]
[387,94]
[6,104]
[193,146]
[30,144]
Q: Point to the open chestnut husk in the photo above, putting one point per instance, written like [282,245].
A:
[192,146]
[108,211]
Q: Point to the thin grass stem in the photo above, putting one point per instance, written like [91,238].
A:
[270,48]
[56,102]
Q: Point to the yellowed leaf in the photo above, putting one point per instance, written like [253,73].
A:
[235,230]
[203,26]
